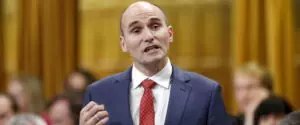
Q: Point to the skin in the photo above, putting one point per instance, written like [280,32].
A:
[93,114]
[271,119]
[77,82]
[146,37]
[144,25]
[248,93]
[6,111]
[60,113]
[17,91]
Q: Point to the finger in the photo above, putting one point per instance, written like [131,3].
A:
[97,117]
[87,107]
[88,114]
[103,121]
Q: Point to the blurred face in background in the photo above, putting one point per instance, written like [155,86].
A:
[6,111]
[60,113]
[16,89]
[271,119]
[248,90]
[77,82]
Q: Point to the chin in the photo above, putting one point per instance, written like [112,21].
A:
[152,60]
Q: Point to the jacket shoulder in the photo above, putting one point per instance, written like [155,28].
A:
[202,82]
[107,81]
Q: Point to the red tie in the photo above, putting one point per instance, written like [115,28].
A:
[147,105]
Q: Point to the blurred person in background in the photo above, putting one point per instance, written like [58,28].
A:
[76,84]
[27,90]
[78,80]
[26,119]
[62,111]
[8,108]
[291,119]
[252,84]
[271,111]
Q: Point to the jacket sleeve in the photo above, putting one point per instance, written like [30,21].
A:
[217,113]
[87,97]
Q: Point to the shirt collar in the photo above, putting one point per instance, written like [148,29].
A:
[161,78]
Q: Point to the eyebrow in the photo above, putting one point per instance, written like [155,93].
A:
[152,19]
[133,23]
[155,19]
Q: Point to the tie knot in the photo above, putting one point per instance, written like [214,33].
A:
[148,84]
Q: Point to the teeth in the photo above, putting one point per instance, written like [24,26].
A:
[151,47]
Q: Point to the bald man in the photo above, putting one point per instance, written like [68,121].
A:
[152,91]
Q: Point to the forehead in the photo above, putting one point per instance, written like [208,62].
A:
[60,105]
[245,79]
[141,12]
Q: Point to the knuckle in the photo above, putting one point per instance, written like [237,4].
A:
[100,107]
[96,117]
[81,111]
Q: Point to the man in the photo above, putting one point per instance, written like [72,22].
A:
[8,108]
[252,84]
[152,91]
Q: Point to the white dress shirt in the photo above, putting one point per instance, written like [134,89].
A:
[161,93]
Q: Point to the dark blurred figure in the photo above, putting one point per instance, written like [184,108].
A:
[8,108]
[79,80]
[63,111]
[252,84]
[27,90]
[271,110]
[76,84]
[291,119]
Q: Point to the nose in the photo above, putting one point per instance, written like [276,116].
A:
[148,35]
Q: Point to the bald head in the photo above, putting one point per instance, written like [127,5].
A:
[137,7]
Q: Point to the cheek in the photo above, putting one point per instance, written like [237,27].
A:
[133,42]
[239,93]
[238,96]
[240,99]
[252,95]
[162,35]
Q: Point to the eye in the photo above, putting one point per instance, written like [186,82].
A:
[155,26]
[136,30]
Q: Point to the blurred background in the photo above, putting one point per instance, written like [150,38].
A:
[49,39]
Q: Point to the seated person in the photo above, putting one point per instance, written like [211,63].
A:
[63,111]
[78,80]
[27,91]
[76,84]
[271,110]
[252,84]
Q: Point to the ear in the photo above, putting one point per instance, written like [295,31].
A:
[170,31]
[123,44]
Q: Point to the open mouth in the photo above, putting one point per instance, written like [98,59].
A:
[149,48]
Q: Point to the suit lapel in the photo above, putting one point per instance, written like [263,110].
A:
[121,97]
[178,96]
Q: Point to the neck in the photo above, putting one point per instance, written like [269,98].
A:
[151,68]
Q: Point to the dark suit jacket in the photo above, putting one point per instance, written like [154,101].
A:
[194,99]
